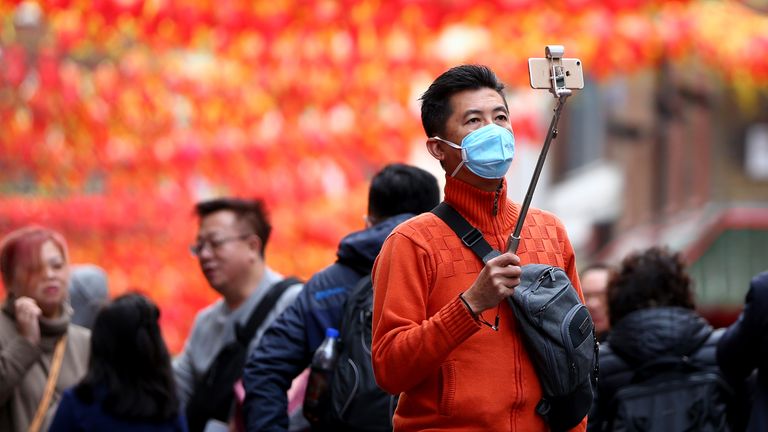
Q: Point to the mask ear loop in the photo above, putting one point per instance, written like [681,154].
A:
[458,167]
[463,154]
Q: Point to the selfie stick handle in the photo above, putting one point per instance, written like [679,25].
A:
[514,239]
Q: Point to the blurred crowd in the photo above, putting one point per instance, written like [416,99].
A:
[120,373]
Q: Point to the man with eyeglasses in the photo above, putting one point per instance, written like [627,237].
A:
[231,239]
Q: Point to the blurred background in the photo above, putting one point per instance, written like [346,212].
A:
[116,116]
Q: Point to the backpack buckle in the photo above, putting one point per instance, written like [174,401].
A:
[472,237]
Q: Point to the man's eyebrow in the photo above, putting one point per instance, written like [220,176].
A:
[472,111]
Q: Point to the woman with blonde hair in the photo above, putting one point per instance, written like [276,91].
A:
[41,353]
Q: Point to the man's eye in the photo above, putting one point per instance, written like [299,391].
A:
[501,117]
[473,120]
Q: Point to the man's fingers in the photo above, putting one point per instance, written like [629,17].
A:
[505,259]
[506,271]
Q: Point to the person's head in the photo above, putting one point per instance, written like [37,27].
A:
[652,278]
[460,101]
[594,284]
[231,239]
[400,188]
[88,290]
[34,263]
[130,359]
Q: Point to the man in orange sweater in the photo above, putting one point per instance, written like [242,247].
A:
[434,299]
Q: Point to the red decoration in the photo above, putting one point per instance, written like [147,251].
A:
[117,115]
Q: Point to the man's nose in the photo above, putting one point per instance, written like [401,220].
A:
[206,252]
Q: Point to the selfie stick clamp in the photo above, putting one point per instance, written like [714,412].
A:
[561,93]
[557,72]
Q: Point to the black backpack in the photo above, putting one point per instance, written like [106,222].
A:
[357,402]
[556,328]
[672,394]
[213,395]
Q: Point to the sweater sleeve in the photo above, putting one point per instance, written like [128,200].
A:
[17,355]
[409,345]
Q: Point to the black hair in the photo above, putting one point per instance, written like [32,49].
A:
[655,277]
[435,102]
[251,212]
[400,188]
[129,371]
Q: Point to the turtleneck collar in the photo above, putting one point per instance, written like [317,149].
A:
[487,211]
[50,328]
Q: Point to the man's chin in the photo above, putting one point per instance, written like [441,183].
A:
[217,284]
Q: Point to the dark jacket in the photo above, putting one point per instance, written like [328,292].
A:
[287,347]
[744,349]
[74,415]
[644,335]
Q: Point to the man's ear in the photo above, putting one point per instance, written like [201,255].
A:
[435,149]
[254,242]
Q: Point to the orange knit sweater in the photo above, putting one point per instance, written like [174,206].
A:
[451,372]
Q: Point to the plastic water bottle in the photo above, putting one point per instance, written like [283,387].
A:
[316,398]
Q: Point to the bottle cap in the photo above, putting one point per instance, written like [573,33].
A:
[331,332]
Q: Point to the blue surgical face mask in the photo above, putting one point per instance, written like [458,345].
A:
[487,151]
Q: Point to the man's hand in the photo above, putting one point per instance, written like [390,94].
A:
[27,313]
[495,282]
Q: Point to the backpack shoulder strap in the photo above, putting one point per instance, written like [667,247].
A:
[364,286]
[244,333]
[469,235]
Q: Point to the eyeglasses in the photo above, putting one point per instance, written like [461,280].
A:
[197,248]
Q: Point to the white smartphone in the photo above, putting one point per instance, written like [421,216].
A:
[540,72]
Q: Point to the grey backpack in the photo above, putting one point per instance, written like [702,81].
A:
[559,336]
[556,327]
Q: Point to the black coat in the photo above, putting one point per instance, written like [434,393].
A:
[642,336]
[744,349]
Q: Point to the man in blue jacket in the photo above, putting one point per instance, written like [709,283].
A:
[397,193]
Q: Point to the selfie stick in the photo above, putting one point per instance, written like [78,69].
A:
[555,54]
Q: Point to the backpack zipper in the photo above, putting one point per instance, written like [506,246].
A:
[552,300]
[526,293]
[551,273]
